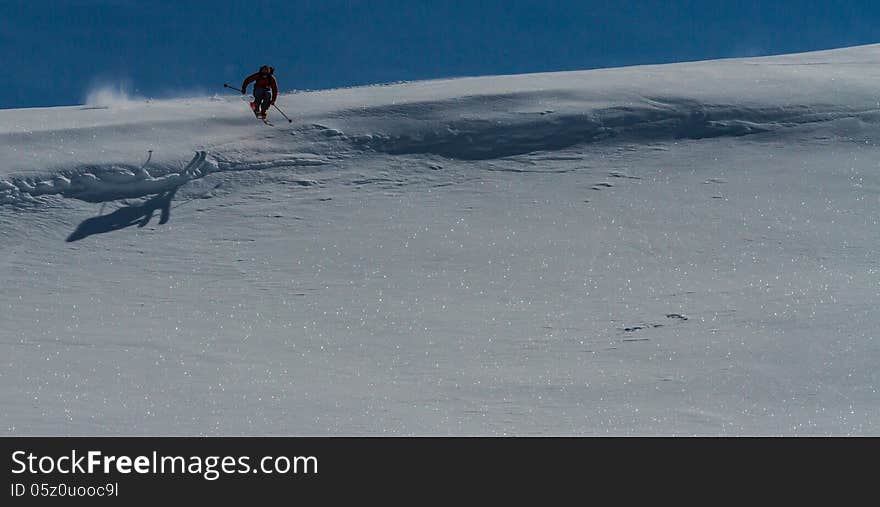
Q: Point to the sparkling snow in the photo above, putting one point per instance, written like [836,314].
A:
[661,250]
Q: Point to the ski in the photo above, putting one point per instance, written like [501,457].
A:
[263,119]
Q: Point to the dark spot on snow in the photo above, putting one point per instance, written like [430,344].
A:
[633,329]
[676,316]
[615,174]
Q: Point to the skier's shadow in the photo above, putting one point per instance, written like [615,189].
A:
[127,216]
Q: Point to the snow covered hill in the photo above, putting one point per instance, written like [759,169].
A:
[677,249]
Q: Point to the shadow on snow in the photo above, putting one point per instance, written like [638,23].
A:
[127,216]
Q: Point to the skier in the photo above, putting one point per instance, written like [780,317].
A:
[265,90]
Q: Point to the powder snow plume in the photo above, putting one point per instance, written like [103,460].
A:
[109,95]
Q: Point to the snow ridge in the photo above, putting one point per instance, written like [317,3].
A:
[655,119]
[106,183]
[480,126]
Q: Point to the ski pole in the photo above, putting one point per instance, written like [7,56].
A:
[282,113]
[231,87]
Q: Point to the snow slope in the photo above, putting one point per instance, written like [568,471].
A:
[678,249]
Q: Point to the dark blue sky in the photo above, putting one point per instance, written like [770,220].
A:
[53,52]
